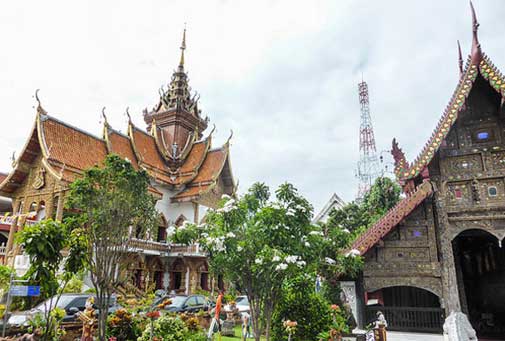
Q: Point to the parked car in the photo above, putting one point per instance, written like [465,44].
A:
[71,303]
[184,303]
[242,303]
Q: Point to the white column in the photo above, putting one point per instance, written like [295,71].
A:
[187,280]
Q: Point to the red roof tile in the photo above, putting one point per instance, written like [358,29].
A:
[212,166]
[70,146]
[145,146]
[121,146]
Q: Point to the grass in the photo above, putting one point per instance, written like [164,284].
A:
[238,333]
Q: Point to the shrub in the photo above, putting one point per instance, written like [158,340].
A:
[123,325]
[300,303]
[166,328]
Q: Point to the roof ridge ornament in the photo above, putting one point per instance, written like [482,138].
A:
[105,122]
[127,113]
[460,61]
[476,49]
[40,110]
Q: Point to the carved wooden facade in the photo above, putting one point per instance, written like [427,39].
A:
[464,165]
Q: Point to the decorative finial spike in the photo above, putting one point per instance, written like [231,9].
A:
[460,60]
[128,114]
[104,116]
[476,50]
[183,47]
[40,110]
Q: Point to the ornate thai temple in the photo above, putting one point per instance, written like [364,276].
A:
[187,173]
[439,249]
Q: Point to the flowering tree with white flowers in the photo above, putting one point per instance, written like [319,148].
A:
[257,242]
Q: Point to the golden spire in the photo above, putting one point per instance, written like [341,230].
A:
[183,47]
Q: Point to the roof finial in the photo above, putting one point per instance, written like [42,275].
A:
[476,51]
[104,117]
[127,113]
[40,110]
[183,47]
[460,60]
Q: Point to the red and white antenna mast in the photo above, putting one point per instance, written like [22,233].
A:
[368,164]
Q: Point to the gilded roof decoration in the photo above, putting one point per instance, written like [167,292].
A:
[478,63]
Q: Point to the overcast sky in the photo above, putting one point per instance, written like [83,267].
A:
[282,74]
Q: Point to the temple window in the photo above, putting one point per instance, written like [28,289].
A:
[458,194]
[483,135]
[492,191]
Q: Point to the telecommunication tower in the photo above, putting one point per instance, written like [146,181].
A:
[368,164]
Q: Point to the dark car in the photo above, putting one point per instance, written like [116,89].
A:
[184,303]
[71,303]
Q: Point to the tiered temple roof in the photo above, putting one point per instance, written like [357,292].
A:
[172,149]
[416,172]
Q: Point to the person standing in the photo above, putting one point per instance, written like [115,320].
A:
[215,326]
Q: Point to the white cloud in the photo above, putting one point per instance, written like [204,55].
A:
[282,74]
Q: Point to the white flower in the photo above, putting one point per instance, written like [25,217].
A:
[329,260]
[290,212]
[225,196]
[258,261]
[307,244]
[316,233]
[301,263]
[230,235]
[171,231]
[281,266]
[276,259]
[346,231]
[300,208]
[239,248]
[291,259]
[228,206]
[353,253]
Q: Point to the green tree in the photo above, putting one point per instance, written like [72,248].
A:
[44,243]
[299,302]
[257,242]
[383,195]
[114,208]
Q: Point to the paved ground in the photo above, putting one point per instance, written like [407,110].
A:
[398,336]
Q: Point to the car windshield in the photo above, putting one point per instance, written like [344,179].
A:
[177,301]
[62,303]
[242,300]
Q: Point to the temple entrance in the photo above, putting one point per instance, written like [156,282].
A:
[480,265]
[406,309]
[176,276]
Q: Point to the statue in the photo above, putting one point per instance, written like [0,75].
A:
[458,328]
[88,320]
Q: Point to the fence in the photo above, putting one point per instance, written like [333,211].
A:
[409,318]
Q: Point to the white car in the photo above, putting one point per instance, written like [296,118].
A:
[242,305]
